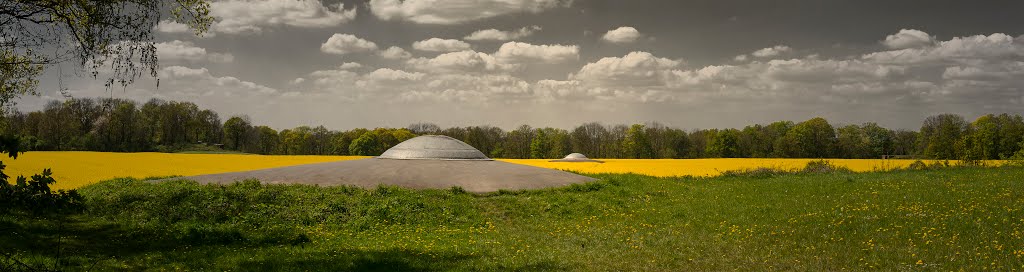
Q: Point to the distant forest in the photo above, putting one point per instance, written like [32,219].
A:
[167,126]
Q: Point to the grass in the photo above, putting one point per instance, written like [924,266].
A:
[939,219]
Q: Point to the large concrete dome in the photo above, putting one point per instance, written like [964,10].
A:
[433,147]
[437,162]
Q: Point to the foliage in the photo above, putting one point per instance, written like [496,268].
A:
[824,166]
[92,34]
[32,195]
[122,125]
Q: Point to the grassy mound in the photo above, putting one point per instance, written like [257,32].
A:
[936,219]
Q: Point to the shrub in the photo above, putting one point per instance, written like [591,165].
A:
[824,166]
[760,172]
[917,165]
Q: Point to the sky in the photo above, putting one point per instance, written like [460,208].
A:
[557,63]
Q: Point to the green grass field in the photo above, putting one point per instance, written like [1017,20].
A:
[968,219]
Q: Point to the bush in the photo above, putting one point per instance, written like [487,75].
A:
[824,166]
[35,197]
[918,165]
[760,172]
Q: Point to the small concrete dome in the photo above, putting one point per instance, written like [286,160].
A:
[433,147]
[575,156]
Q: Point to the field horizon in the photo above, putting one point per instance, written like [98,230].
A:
[74,169]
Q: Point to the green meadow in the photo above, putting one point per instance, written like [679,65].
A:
[960,218]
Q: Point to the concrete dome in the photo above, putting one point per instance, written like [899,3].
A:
[575,156]
[433,147]
[437,162]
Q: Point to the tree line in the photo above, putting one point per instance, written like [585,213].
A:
[121,125]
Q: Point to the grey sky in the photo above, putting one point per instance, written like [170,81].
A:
[690,64]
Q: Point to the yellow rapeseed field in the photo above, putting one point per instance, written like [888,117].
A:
[707,167]
[74,169]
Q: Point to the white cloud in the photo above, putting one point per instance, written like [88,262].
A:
[633,69]
[456,11]
[908,38]
[394,52]
[186,51]
[994,47]
[199,81]
[625,34]
[441,45]
[740,58]
[252,16]
[463,61]
[168,26]
[346,44]
[518,52]
[772,51]
[349,65]
[386,74]
[499,35]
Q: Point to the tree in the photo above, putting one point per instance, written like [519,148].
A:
[539,146]
[636,145]
[424,128]
[366,145]
[814,138]
[237,131]
[940,133]
[724,144]
[115,33]
[880,140]
[852,142]
[267,140]
[587,139]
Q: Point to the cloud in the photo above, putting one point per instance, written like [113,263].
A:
[633,69]
[456,11]
[958,50]
[518,52]
[252,16]
[199,81]
[441,45]
[771,51]
[346,44]
[349,66]
[908,38]
[168,26]
[499,35]
[386,74]
[740,58]
[185,51]
[462,61]
[625,34]
[394,52]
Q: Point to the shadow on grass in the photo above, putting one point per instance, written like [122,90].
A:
[92,245]
[391,260]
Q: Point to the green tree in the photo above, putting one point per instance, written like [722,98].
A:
[237,132]
[724,144]
[636,145]
[267,140]
[939,135]
[366,145]
[539,146]
[814,138]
